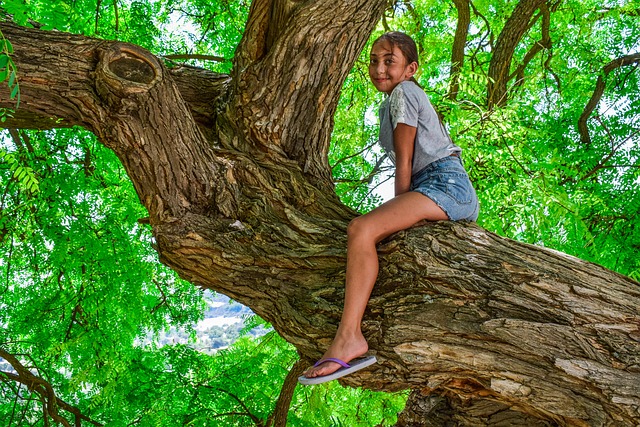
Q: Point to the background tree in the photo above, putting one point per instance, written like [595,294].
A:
[232,170]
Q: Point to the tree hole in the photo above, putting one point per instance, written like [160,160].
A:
[133,69]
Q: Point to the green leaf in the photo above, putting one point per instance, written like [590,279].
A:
[8,47]
[15,92]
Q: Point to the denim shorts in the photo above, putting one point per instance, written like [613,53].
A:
[446,182]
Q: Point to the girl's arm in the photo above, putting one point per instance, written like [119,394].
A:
[403,142]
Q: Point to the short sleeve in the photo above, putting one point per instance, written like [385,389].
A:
[403,107]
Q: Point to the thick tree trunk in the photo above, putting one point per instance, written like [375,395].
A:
[485,330]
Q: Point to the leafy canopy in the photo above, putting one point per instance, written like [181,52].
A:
[83,294]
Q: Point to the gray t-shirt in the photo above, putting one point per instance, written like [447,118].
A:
[409,104]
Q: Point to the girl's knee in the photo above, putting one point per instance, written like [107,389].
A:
[358,228]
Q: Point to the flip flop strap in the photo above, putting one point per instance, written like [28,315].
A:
[332,359]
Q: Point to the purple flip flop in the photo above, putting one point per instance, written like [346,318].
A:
[346,369]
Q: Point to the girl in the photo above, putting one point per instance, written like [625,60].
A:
[430,184]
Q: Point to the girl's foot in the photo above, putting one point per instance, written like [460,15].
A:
[345,349]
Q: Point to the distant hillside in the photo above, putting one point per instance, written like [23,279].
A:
[221,326]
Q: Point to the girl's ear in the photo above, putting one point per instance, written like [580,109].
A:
[411,69]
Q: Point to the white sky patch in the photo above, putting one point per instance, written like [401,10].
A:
[384,182]
[386,190]
[181,27]
[6,142]
[206,324]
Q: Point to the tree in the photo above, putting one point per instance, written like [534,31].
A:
[232,170]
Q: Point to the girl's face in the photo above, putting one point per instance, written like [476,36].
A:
[388,67]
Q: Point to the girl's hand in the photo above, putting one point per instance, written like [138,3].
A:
[403,144]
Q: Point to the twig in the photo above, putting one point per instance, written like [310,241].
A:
[195,56]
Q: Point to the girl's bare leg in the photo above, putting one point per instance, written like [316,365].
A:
[363,234]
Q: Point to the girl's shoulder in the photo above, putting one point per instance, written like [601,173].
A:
[409,91]
[408,87]
[412,87]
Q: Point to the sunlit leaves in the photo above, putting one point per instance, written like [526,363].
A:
[80,280]
[205,27]
[23,175]
[340,406]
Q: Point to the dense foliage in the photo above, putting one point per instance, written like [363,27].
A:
[82,290]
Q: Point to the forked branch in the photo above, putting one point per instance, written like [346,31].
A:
[515,27]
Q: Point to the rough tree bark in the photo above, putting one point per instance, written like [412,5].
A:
[233,172]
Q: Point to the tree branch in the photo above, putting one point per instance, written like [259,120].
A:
[44,390]
[279,416]
[515,27]
[482,44]
[257,421]
[622,11]
[98,4]
[601,84]
[544,43]
[459,43]
[196,56]
[253,45]
[602,164]
[127,98]
[50,102]
[117,15]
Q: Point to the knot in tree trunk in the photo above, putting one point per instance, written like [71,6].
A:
[125,70]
